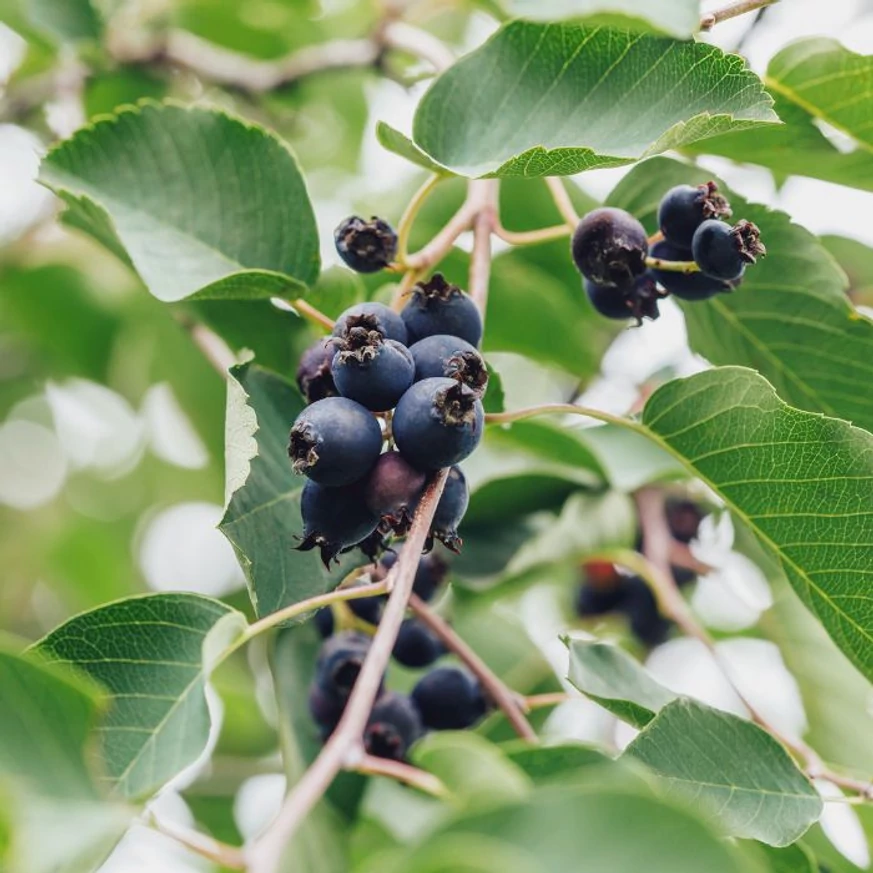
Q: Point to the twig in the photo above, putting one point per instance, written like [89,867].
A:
[442,243]
[541,701]
[207,847]
[408,218]
[213,347]
[370,765]
[312,314]
[673,266]
[484,193]
[408,38]
[494,688]
[709,19]
[656,237]
[563,202]
[532,237]
[556,409]
[343,748]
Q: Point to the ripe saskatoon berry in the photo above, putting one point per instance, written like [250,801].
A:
[392,490]
[335,442]
[393,726]
[602,590]
[646,622]
[449,698]
[313,375]
[638,300]
[450,511]
[683,576]
[450,356]
[336,670]
[366,246]
[684,208]
[429,577]
[438,307]
[683,518]
[369,369]
[722,251]
[416,645]
[334,519]
[324,622]
[609,247]
[437,423]
[368,609]
[386,320]
[686,286]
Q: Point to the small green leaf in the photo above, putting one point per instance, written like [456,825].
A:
[732,768]
[197,202]
[400,144]
[493,401]
[610,677]
[546,764]
[546,100]
[857,261]
[152,654]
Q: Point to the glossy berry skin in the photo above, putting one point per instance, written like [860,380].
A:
[592,601]
[366,246]
[392,490]
[638,300]
[393,726]
[450,510]
[324,622]
[336,670]
[449,698]
[384,319]
[437,423]
[376,376]
[646,622]
[684,208]
[438,307]
[313,374]
[368,609]
[722,251]
[334,519]
[335,442]
[452,357]
[609,247]
[686,286]
[416,645]
[429,577]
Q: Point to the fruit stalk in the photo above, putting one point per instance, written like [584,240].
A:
[370,765]
[732,10]
[484,194]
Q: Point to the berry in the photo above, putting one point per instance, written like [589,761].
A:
[334,519]
[609,247]
[324,622]
[369,369]
[437,423]
[450,510]
[416,645]
[638,300]
[335,442]
[683,518]
[313,374]
[686,286]
[366,246]
[683,576]
[368,609]
[429,577]
[382,318]
[722,251]
[392,491]
[646,622]
[602,590]
[450,356]
[336,670]
[437,307]
[394,725]
[449,698]
[684,208]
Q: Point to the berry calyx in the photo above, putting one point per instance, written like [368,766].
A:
[393,726]
[392,490]
[723,252]
[384,319]
[638,300]
[416,645]
[437,423]
[366,246]
[609,247]
[449,698]
[438,307]
[684,208]
[450,511]
[335,442]
[313,373]
[686,286]
[452,357]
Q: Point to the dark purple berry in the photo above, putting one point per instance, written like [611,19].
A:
[369,369]
[437,423]
[379,317]
[429,577]
[449,698]
[334,519]
[450,510]
[638,300]
[394,725]
[722,251]
[645,620]
[686,286]
[324,622]
[684,208]
[392,490]
[609,247]
[325,709]
[682,576]
[438,307]
[335,442]
[416,645]
[368,609]
[313,375]
[450,356]
[366,246]
[683,518]
[602,590]
[337,667]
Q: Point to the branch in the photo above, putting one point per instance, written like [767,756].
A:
[370,765]
[408,38]
[532,237]
[563,202]
[343,748]
[310,313]
[484,194]
[213,347]
[220,853]
[494,688]
[442,243]
[709,19]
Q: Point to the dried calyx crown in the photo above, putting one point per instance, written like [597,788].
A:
[437,288]
[714,204]
[468,368]
[747,237]
[301,448]
[456,404]
[360,339]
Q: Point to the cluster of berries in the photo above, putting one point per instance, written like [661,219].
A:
[414,380]
[604,589]
[445,698]
[624,278]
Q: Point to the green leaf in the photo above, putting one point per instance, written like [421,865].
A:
[197,202]
[612,678]
[857,261]
[630,461]
[545,100]
[790,319]
[801,481]
[400,144]
[153,654]
[790,859]
[547,764]
[730,767]
[493,401]
[262,519]
[57,20]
